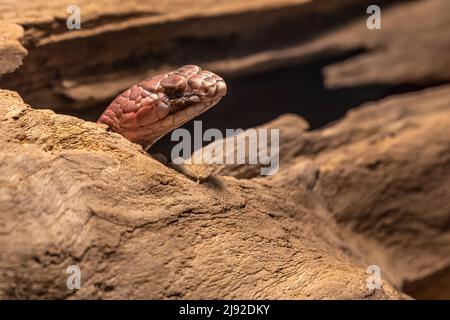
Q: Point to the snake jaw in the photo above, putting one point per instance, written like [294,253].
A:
[152,108]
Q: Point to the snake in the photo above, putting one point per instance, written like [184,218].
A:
[150,109]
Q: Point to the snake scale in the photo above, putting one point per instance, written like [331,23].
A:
[151,108]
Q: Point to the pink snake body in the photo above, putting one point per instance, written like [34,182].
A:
[153,107]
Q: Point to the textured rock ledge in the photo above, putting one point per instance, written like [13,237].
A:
[73,193]
[121,43]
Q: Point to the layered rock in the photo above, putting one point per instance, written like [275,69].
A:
[73,193]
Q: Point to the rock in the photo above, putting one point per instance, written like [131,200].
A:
[137,39]
[11,51]
[382,173]
[411,45]
[74,194]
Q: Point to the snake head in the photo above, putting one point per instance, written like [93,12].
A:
[152,108]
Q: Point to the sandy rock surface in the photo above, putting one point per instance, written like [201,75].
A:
[73,193]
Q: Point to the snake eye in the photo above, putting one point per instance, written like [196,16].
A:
[174,86]
[178,104]
[174,93]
